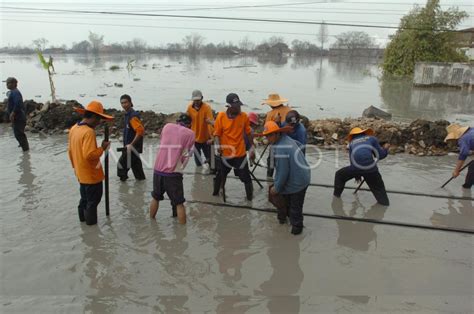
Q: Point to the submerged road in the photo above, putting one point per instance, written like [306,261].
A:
[231,259]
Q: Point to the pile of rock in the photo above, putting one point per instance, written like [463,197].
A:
[421,137]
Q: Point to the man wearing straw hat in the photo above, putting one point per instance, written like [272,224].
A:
[85,159]
[464,135]
[292,175]
[364,152]
[278,114]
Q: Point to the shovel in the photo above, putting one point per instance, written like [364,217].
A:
[445,183]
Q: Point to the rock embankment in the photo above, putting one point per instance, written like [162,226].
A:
[420,137]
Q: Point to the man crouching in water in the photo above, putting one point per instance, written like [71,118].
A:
[176,145]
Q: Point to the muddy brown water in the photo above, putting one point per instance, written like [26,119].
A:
[317,87]
[228,260]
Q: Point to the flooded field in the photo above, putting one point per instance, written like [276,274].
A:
[318,88]
[230,259]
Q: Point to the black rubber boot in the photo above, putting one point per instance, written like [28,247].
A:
[249,190]
[270,172]
[296,230]
[217,185]
[175,211]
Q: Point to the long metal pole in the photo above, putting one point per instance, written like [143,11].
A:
[106,166]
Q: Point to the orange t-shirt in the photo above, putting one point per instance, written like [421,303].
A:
[137,126]
[231,133]
[201,128]
[272,115]
[85,155]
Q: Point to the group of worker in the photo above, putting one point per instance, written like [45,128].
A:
[220,144]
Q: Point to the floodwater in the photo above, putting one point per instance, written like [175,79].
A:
[317,87]
[230,259]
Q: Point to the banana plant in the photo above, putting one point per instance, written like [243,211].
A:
[48,66]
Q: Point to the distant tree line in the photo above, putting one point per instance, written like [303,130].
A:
[195,44]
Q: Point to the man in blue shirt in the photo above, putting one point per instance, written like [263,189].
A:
[16,112]
[292,174]
[364,152]
[465,138]
[299,131]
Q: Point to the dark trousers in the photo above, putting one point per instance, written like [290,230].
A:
[241,168]
[205,149]
[270,162]
[373,180]
[295,203]
[469,177]
[19,132]
[124,165]
[91,195]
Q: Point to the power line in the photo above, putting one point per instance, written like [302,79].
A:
[163,27]
[280,21]
[329,2]
[46,15]
[173,27]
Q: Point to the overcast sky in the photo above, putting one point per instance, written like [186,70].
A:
[23,26]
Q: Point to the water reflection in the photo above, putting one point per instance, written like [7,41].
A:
[404,100]
[98,268]
[235,304]
[300,62]
[460,213]
[27,181]
[352,70]
[171,244]
[172,304]
[277,61]
[233,250]
[285,282]
[357,234]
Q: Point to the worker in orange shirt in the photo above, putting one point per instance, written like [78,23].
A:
[85,159]
[230,129]
[277,114]
[201,124]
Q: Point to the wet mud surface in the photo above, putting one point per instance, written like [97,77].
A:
[229,259]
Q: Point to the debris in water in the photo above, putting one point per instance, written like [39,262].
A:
[240,66]
[101,95]
[108,85]
[118,84]
[82,95]
[38,96]
[136,79]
